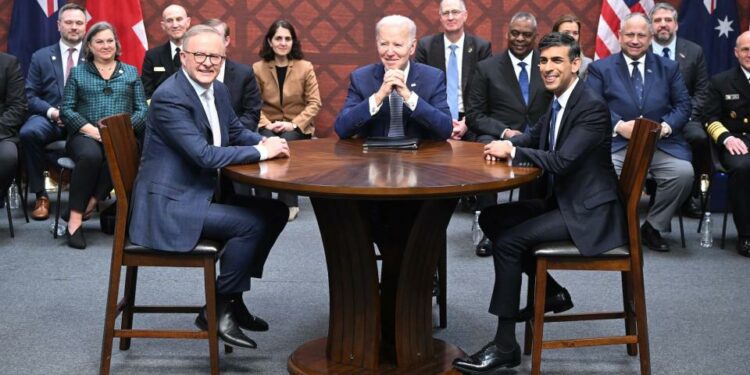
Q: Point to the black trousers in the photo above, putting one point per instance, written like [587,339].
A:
[514,228]
[291,200]
[35,134]
[90,177]
[8,164]
[697,138]
[739,181]
[248,227]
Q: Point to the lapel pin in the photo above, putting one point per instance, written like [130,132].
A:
[121,72]
[648,71]
[470,49]
[413,85]
[682,55]
[54,57]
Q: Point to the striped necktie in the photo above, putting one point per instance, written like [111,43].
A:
[396,104]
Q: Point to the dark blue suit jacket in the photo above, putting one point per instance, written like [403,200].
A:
[430,120]
[44,81]
[243,89]
[665,98]
[585,183]
[178,172]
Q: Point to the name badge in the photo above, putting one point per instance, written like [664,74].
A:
[159,69]
[732,97]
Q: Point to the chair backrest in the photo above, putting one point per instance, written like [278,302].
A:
[633,175]
[121,148]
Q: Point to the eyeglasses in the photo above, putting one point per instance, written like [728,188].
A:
[201,57]
[631,36]
[453,12]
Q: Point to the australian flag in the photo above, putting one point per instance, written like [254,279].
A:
[714,25]
[33,25]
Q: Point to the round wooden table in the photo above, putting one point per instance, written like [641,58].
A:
[376,328]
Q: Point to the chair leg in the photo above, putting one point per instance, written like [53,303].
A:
[131,280]
[540,290]
[442,297]
[528,331]
[58,204]
[25,199]
[627,302]
[209,279]
[639,297]
[724,225]
[682,229]
[10,215]
[110,316]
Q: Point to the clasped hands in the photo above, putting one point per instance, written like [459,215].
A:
[394,79]
[496,150]
[276,147]
[625,129]
[280,126]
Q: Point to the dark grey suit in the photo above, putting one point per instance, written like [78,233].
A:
[12,114]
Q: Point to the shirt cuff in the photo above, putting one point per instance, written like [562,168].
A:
[614,130]
[374,108]
[669,129]
[262,151]
[413,100]
[502,135]
[49,113]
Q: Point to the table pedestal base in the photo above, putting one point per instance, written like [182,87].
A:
[310,359]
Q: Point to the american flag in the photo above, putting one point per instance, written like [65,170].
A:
[609,23]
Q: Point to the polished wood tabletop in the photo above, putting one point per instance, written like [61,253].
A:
[343,168]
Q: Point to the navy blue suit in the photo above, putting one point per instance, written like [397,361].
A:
[584,205]
[430,120]
[44,89]
[665,99]
[243,89]
[172,197]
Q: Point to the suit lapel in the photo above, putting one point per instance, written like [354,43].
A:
[648,76]
[508,72]
[565,127]
[187,88]
[622,70]
[437,51]
[535,78]
[167,59]
[56,60]
[469,59]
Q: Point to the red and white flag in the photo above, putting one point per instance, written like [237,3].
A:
[127,18]
[609,23]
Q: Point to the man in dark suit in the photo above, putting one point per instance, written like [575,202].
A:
[571,143]
[728,114]
[452,51]
[240,80]
[395,97]
[162,61]
[189,136]
[636,83]
[507,96]
[45,81]
[12,114]
[689,56]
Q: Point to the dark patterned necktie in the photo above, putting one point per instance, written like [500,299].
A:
[637,81]
[523,81]
[176,58]
[553,124]
[396,104]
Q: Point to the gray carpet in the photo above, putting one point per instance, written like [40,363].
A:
[52,306]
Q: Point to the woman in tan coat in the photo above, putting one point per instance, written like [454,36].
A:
[290,93]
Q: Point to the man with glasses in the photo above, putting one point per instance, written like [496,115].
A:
[456,53]
[192,132]
[48,72]
[638,84]
[507,96]
[162,61]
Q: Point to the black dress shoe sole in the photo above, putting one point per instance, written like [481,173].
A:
[493,370]
[657,248]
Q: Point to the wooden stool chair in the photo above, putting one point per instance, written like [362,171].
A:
[123,159]
[626,259]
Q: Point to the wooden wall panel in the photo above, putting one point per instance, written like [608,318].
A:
[338,36]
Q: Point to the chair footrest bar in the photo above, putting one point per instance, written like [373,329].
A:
[584,316]
[161,334]
[167,309]
[594,341]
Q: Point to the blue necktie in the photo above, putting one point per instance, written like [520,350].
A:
[452,82]
[552,123]
[665,52]
[637,80]
[523,81]
[396,105]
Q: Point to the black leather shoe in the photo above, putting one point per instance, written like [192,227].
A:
[652,239]
[76,239]
[488,360]
[228,328]
[692,208]
[555,303]
[246,320]
[743,246]
[484,247]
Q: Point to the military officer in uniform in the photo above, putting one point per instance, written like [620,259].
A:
[728,125]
